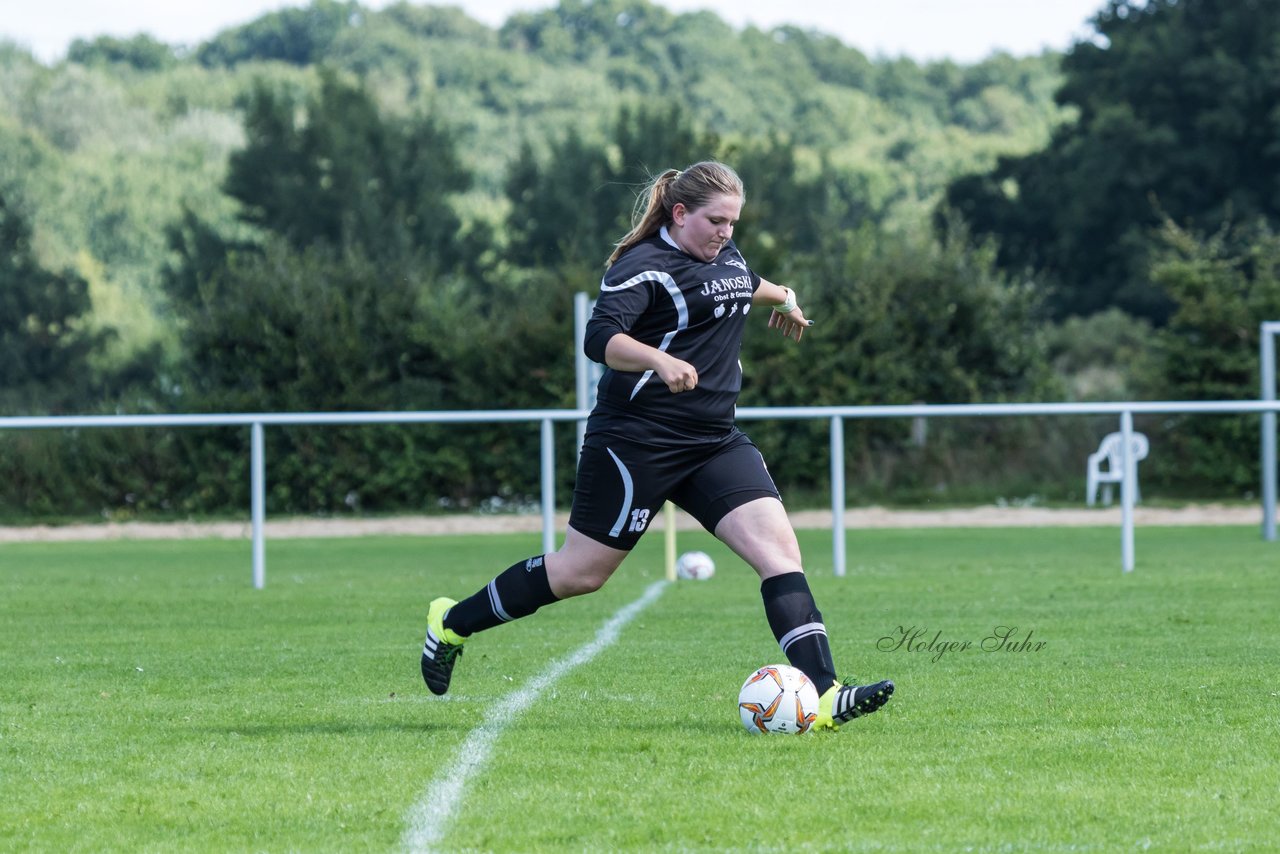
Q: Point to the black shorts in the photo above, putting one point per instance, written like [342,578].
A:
[622,484]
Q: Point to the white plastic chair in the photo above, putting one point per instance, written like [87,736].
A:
[1109,452]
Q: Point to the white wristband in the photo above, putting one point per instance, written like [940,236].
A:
[789,305]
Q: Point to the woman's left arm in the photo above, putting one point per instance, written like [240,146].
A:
[786,315]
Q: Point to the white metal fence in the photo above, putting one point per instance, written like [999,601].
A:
[835,415]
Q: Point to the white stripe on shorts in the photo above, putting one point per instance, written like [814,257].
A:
[628,493]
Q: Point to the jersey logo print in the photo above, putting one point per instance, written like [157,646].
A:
[682,311]
[628,492]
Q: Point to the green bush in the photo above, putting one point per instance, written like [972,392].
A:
[1224,287]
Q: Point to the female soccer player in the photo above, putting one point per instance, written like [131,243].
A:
[668,326]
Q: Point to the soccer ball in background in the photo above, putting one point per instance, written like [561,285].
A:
[697,566]
[778,699]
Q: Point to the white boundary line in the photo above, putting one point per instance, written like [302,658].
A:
[429,818]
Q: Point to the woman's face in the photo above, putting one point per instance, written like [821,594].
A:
[703,232]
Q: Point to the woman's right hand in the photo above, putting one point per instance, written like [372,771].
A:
[678,375]
[624,353]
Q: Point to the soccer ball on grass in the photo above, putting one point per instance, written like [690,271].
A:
[696,566]
[778,699]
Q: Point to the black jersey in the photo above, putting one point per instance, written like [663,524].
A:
[692,309]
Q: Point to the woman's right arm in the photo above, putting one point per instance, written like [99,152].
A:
[624,353]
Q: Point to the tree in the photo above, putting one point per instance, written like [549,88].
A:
[328,304]
[284,330]
[333,171]
[790,209]
[652,136]
[1177,119]
[574,204]
[574,210]
[296,36]
[333,185]
[44,348]
[141,52]
[281,329]
[1223,286]
[900,319]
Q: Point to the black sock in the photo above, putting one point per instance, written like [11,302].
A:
[517,592]
[797,625]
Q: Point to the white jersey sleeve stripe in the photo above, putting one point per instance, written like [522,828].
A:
[682,310]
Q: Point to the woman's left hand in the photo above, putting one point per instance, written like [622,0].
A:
[792,324]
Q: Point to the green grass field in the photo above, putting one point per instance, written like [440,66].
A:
[153,701]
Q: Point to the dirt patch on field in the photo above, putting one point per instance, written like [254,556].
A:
[864,518]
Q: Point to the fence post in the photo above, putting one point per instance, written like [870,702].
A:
[581,364]
[837,495]
[1128,482]
[1267,344]
[258,502]
[548,487]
